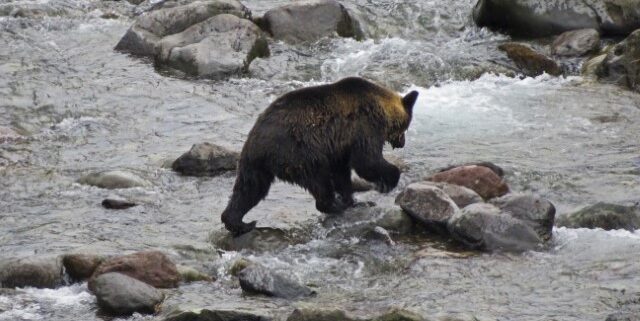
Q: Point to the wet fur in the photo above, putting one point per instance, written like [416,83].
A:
[313,137]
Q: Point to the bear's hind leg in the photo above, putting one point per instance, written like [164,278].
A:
[252,185]
[341,178]
[323,191]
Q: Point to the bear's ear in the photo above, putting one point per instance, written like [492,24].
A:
[409,100]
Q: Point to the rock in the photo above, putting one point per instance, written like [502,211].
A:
[311,20]
[605,216]
[113,180]
[81,266]
[620,66]
[8,135]
[427,204]
[38,272]
[256,278]
[307,314]
[119,294]
[399,315]
[483,226]
[538,18]
[239,265]
[460,195]
[213,315]
[480,179]
[591,67]
[189,274]
[576,43]
[117,204]
[151,267]
[538,212]
[259,239]
[623,317]
[150,27]
[493,167]
[529,61]
[379,233]
[206,160]
[216,48]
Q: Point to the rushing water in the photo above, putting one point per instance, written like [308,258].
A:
[81,107]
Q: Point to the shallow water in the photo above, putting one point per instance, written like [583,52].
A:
[82,107]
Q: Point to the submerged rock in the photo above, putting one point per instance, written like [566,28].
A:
[38,272]
[621,64]
[427,204]
[119,294]
[206,159]
[311,20]
[180,314]
[576,42]
[538,18]
[308,314]
[480,179]
[113,180]
[529,61]
[623,316]
[483,226]
[189,274]
[81,266]
[114,204]
[399,315]
[256,278]
[258,239]
[151,267]
[605,216]
[538,212]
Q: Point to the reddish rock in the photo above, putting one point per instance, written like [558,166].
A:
[151,267]
[81,266]
[480,179]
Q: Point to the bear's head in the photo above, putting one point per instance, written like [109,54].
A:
[398,126]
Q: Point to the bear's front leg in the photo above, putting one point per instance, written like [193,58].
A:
[382,173]
[341,179]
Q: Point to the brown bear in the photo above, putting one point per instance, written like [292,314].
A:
[313,137]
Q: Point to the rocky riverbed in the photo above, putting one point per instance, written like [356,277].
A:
[112,161]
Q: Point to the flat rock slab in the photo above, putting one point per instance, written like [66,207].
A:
[256,278]
[311,20]
[206,159]
[151,267]
[119,294]
[114,180]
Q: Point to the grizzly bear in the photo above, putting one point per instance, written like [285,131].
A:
[313,137]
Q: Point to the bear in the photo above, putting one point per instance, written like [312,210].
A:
[313,137]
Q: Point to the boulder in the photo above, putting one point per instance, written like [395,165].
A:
[259,239]
[119,294]
[576,42]
[427,204]
[539,213]
[309,314]
[480,179]
[483,226]
[620,65]
[538,18]
[239,265]
[180,314]
[206,159]
[150,27]
[605,216]
[114,204]
[256,278]
[113,179]
[461,195]
[151,267]
[38,272]
[189,274]
[310,20]
[529,61]
[81,266]
[399,315]
[216,48]
[493,167]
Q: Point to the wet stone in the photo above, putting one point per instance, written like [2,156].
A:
[151,267]
[427,204]
[605,216]
[114,204]
[537,211]
[460,195]
[529,61]
[181,314]
[258,279]
[259,239]
[113,180]
[620,65]
[189,274]
[119,294]
[481,179]
[399,315]
[81,266]
[310,314]
[37,271]
[576,42]
[206,159]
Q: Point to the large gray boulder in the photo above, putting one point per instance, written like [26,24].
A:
[310,20]
[534,210]
[621,65]
[605,216]
[427,203]
[256,278]
[211,39]
[576,42]
[38,272]
[206,160]
[119,294]
[536,18]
